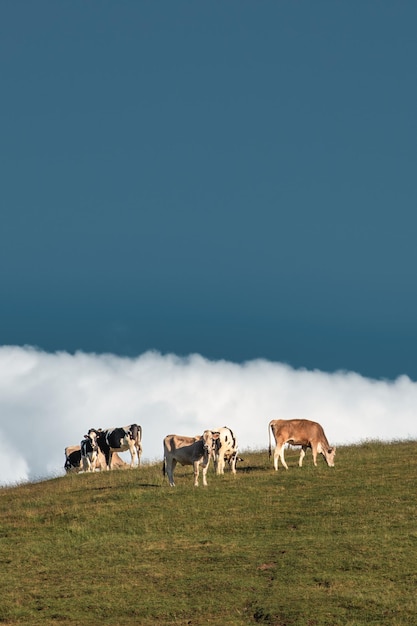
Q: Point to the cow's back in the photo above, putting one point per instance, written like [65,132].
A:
[299,431]
[176,442]
[69,449]
[72,459]
[312,432]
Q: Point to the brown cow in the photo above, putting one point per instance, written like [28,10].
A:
[302,433]
[193,451]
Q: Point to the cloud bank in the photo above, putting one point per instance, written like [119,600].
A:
[49,401]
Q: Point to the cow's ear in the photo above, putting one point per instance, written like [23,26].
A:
[216,435]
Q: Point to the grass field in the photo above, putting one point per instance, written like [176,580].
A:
[304,547]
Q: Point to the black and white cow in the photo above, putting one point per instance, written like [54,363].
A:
[119,440]
[73,459]
[225,449]
[89,451]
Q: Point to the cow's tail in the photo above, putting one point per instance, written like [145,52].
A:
[164,468]
[269,438]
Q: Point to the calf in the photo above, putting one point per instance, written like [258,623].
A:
[193,451]
[89,451]
[302,433]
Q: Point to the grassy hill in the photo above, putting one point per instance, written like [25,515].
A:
[303,547]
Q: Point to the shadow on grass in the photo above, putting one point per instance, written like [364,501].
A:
[248,469]
[112,487]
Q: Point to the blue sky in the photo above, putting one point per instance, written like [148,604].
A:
[234,179]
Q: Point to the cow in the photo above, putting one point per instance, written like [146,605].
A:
[193,451]
[225,449]
[73,462]
[119,440]
[299,432]
[73,459]
[89,451]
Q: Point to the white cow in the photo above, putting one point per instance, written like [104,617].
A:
[193,451]
[302,433]
[225,449]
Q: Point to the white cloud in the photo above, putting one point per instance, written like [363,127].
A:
[49,401]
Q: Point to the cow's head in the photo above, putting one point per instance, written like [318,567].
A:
[329,454]
[92,436]
[209,441]
[217,444]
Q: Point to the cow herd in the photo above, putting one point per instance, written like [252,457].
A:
[99,448]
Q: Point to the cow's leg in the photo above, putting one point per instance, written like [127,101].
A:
[233,462]
[93,461]
[196,466]
[97,463]
[169,468]
[132,449]
[281,456]
[314,451]
[100,461]
[276,457]
[302,455]
[139,452]
[205,468]
[220,463]
[86,463]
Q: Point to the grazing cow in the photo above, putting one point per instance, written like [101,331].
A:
[72,459]
[73,462]
[193,451]
[119,440]
[302,433]
[225,449]
[89,451]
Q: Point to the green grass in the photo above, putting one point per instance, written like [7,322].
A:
[303,547]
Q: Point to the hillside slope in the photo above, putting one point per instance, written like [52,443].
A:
[308,546]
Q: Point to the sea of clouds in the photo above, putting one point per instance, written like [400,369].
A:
[49,401]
